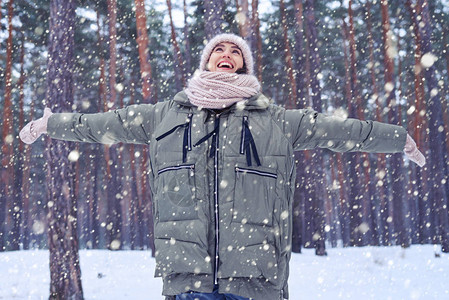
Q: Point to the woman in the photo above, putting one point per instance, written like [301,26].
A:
[222,172]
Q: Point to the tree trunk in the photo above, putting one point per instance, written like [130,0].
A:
[180,81]
[300,54]
[396,164]
[20,155]
[214,13]
[114,188]
[436,161]
[188,57]
[62,222]
[99,169]
[9,241]
[257,39]
[368,231]
[381,213]
[135,227]
[317,166]
[345,201]
[355,193]
[144,51]
[26,219]
[300,190]
[292,97]
[243,19]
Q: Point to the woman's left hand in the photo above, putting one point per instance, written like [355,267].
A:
[412,152]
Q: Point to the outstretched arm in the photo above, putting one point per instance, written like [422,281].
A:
[310,129]
[132,124]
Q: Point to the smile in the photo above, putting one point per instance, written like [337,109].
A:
[225,64]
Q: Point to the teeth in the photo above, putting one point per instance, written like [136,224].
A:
[225,64]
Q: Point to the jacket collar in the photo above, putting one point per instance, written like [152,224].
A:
[257,102]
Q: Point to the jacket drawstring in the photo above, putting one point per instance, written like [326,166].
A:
[214,134]
[187,143]
[247,143]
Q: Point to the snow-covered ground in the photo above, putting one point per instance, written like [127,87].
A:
[346,273]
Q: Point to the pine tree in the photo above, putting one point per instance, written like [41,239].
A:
[62,219]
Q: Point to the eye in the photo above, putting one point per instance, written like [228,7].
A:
[218,49]
[236,52]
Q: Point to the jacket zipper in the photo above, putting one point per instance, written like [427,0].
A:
[217,119]
[256,172]
[189,132]
[242,138]
[191,167]
[187,138]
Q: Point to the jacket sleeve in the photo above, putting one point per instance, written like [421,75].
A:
[133,124]
[309,129]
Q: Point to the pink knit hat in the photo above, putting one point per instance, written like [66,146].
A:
[230,38]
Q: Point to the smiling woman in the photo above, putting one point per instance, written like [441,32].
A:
[222,172]
[226,57]
[225,75]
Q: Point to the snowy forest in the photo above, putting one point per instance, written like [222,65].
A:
[373,60]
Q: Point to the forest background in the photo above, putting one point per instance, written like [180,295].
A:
[374,60]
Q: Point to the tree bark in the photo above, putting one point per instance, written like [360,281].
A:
[26,219]
[302,86]
[317,168]
[65,270]
[257,40]
[188,64]
[399,222]
[382,210]
[7,173]
[19,226]
[360,213]
[114,188]
[292,97]
[300,54]
[214,22]
[135,227]
[144,51]
[436,160]
[243,20]
[180,81]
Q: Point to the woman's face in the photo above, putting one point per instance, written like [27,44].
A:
[226,57]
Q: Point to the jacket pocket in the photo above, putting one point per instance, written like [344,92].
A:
[176,193]
[254,196]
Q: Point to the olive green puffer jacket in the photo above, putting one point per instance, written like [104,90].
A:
[222,183]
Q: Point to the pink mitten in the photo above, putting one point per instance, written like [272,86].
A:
[34,129]
[413,153]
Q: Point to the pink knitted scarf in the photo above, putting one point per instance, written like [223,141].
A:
[220,89]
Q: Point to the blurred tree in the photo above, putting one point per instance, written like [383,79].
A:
[438,152]
[7,199]
[180,81]
[65,270]
[214,12]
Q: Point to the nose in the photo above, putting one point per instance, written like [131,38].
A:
[226,53]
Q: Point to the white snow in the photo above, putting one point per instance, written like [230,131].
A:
[346,273]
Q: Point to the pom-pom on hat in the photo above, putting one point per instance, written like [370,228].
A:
[230,38]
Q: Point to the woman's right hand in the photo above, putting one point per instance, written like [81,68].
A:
[34,129]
